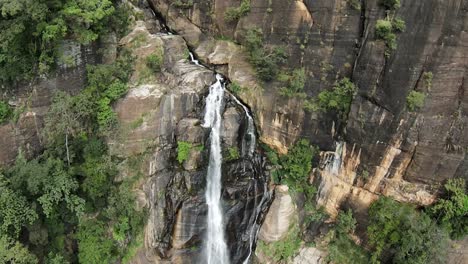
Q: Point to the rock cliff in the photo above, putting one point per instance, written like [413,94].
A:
[379,148]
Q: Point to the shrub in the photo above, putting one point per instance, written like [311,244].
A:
[284,249]
[183,5]
[399,232]
[383,28]
[183,151]
[233,154]
[265,60]
[451,211]
[236,88]
[339,99]
[154,62]
[398,25]
[234,13]
[415,100]
[391,4]
[355,4]
[296,82]
[342,249]
[5,111]
[427,77]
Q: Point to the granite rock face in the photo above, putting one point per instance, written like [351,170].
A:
[160,111]
[406,155]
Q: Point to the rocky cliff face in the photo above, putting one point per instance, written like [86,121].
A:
[386,149]
[160,113]
[380,149]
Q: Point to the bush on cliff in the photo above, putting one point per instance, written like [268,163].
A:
[5,111]
[295,83]
[234,13]
[266,60]
[451,211]
[401,234]
[391,4]
[415,100]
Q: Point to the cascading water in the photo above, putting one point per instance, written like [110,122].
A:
[215,245]
[250,131]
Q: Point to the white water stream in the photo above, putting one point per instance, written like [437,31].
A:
[215,249]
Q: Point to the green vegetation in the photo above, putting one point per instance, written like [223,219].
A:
[154,62]
[415,100]
[342,248]
[401,234]
[183,4]
[5,112]
[183,151]
[338,99]
[427,77]
[355,4]
[295,83]
[68,195]
[232,153]
[284,249]
[385,29]
[398,25]
[33,30]
[451,211]
[266,60]
[234,13]
[15,252]
[293,170]
[236,88]
[391,4]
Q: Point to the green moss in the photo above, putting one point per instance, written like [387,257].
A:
[137,123]
[154,62]
[183,151]
[415,100]
[232,153]
[236,88]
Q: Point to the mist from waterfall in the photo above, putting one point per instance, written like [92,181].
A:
[215,250]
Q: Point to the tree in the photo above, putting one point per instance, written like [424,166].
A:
[15,210]
[451,211]
[49,183]
[93,245]
[65,119]
[14,252]
[32,31]
[399,232]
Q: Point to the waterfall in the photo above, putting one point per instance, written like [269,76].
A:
[215,247]
[251,140]
[192,59]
